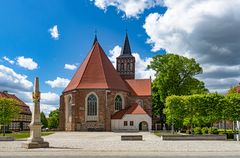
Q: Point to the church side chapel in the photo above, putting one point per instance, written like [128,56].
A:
[102,98]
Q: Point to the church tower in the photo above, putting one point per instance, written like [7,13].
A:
[126,62]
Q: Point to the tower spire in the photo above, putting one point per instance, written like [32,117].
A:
[126,62]
[126,50]
[95,37]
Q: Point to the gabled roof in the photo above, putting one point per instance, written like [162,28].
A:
[24,107]
[126,49]
[134,109]
[96,72]
[139,87]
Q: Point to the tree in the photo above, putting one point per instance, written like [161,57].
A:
[9,110]
[53,119]
[233,110]
[232,90]
[199,109]
[44,120]
[175,76]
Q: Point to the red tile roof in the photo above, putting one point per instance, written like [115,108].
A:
[95,72]
[24,107]
[134,109]
[139,87]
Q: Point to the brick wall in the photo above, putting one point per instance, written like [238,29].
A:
[104,116]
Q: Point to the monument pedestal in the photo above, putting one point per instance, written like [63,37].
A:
[35,140]
[31,145]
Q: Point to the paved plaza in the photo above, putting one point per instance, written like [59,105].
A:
[102,143]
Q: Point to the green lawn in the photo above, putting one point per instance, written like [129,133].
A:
[20,135]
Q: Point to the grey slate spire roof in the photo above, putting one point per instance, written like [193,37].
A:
[126,50]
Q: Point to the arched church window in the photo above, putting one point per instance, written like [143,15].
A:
[118,103]
[92,105]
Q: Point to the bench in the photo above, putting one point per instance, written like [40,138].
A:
[194,137]
[131,137]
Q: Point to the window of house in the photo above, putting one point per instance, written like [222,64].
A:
[118,103]
[140,102]
[125,123]
[131,123]
[92,105]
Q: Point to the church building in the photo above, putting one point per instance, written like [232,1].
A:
[102,98]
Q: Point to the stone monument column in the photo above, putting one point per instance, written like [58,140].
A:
[35,140]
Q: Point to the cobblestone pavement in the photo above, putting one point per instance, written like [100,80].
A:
[110,142]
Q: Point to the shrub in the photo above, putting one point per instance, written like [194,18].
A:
[213,130]
[204,130]
[197,130]
[188,131]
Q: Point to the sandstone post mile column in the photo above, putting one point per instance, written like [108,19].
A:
[35,140]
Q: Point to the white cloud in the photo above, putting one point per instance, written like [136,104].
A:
[8,60]
[131,8]
[27,63]
[206,30]
[50,98]
[19,85]
[141,70]
[54,32]
[70,66]
[10,80]
[58,82]
[49,101]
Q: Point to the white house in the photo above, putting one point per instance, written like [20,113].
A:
[133,118]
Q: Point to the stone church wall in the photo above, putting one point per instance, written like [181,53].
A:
[78,122]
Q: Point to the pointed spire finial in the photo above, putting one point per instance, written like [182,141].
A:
[95,37]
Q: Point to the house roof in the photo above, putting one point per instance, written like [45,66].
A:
[24,107]
[96,72]
[139,87]
[133,109]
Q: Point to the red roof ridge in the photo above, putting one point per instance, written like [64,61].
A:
[94,46]
[96,72]
[86,58]
[134,109]
[102,63]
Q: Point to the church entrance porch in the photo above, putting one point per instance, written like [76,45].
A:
[143,126]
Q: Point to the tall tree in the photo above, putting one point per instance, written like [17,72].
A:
[9,110]
[175,75]
[53,119]
[44,120]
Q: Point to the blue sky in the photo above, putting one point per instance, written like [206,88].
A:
[153,25]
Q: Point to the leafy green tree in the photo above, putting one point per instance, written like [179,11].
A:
[44,120]
[9,110]
[232,90]
[198,110]
[157,104]
[53,119]
[174,76]
[233,110]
